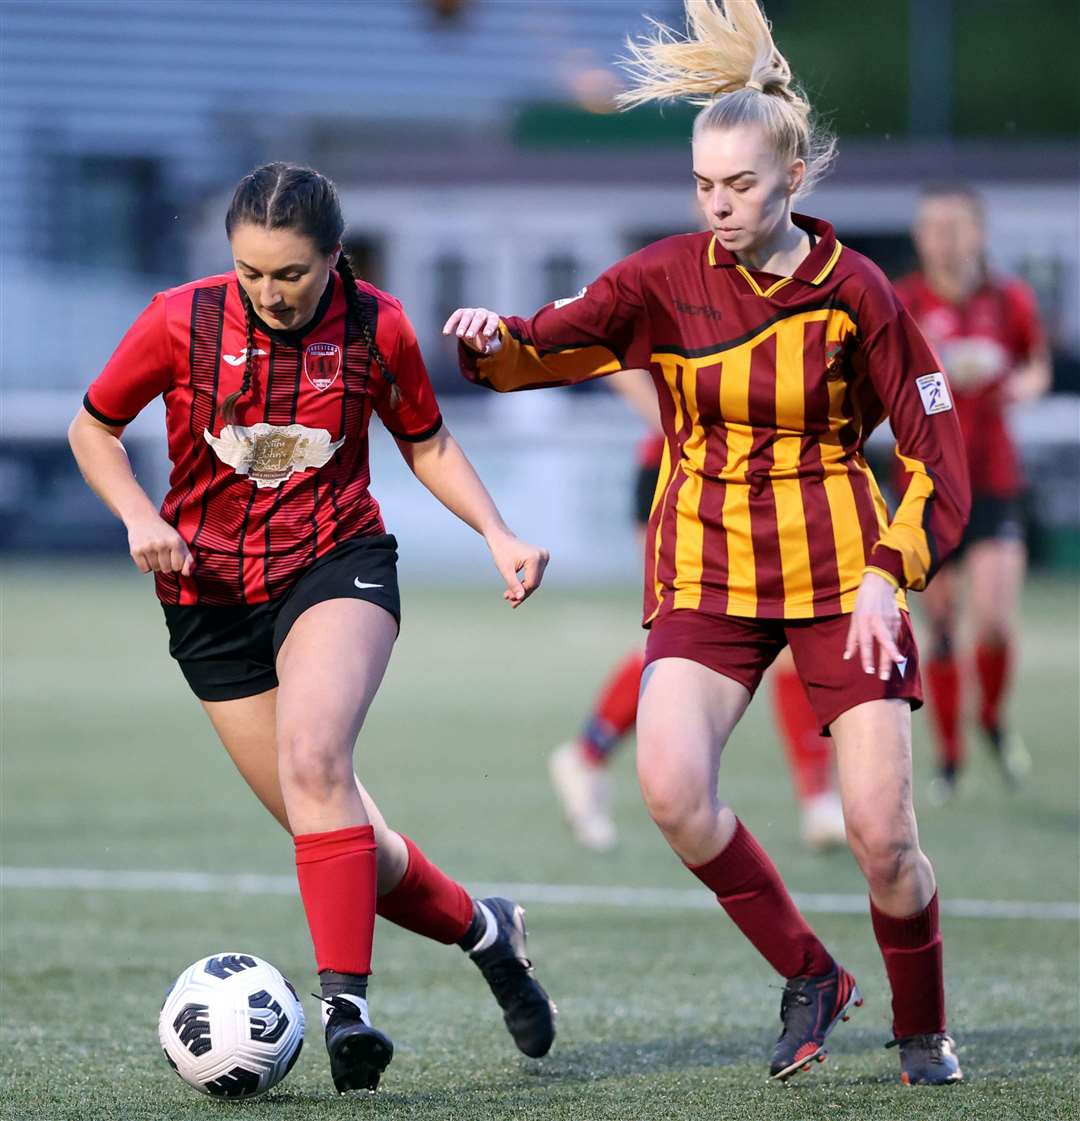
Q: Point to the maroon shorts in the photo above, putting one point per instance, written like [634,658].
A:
[743,649]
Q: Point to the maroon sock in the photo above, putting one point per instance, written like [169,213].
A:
[427,901]
[337,874]
[911,948]
[992,663]
[749,888]
[943,685]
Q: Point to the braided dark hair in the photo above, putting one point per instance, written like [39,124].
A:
[287,196]
[363,322]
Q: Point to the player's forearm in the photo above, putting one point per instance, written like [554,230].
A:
[933,509]
[520,362]
[107,470]
[441,465]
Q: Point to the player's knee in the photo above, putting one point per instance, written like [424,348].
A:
[311,764]
[678,808]
[884,855]
[992,629]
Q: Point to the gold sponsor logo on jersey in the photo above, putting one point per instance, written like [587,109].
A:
[271,453]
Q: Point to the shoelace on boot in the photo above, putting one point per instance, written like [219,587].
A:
[342,1005]
[793,996]
[930,1041]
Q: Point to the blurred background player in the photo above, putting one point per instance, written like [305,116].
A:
[278,582]
[580,768]
[987,332]
[771,530]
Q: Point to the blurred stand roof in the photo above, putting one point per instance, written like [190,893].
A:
[125,123]
[415,158]
[159,104]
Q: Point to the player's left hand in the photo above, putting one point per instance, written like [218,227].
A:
[875,621]
[520,564]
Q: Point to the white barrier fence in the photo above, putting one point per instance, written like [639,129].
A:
[560,465]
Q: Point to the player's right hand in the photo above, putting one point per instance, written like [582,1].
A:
[156,547]
[476,327]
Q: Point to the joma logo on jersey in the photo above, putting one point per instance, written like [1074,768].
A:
[322,364]
[242,357]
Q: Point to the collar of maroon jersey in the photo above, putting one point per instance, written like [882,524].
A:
[295,338]
[819,262]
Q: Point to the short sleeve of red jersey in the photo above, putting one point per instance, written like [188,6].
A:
[908,380]
[599,331]
[413,412]
[1025,324]
[140,369]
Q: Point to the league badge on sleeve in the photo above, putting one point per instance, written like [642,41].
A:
[934,391]
[322,364]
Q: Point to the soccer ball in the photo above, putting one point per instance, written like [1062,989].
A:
[231,1026]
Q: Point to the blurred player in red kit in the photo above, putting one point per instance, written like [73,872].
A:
[277,578]
[580,768]
[986,329]
[774,352]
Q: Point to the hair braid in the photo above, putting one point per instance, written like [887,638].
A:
[363,322]
[228,406]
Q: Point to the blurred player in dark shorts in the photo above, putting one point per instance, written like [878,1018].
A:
[580,767]
[987,331]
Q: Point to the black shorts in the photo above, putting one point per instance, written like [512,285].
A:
[992,519]
[230,652]
[644,489]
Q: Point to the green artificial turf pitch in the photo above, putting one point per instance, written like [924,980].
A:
[665,1012]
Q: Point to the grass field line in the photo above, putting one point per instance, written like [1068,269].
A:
[565,895]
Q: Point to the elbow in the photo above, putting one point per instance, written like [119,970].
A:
[73,432]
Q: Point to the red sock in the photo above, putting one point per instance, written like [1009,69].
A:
[808,753]
[992,663]
[911,948]
[427,901]
[943,685]
[337,872]
[749,888]
[615,710]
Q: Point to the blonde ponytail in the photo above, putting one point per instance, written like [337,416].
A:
[728,64]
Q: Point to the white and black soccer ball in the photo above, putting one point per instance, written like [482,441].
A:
[231,1026]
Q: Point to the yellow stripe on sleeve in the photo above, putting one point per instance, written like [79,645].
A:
[906,534]
[517,364]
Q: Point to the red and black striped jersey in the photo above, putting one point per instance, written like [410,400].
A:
[981,342]
[768,389]
[259,500]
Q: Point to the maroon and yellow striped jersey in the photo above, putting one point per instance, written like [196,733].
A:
[769,387]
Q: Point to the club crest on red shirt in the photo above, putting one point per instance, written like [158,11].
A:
[322,364]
